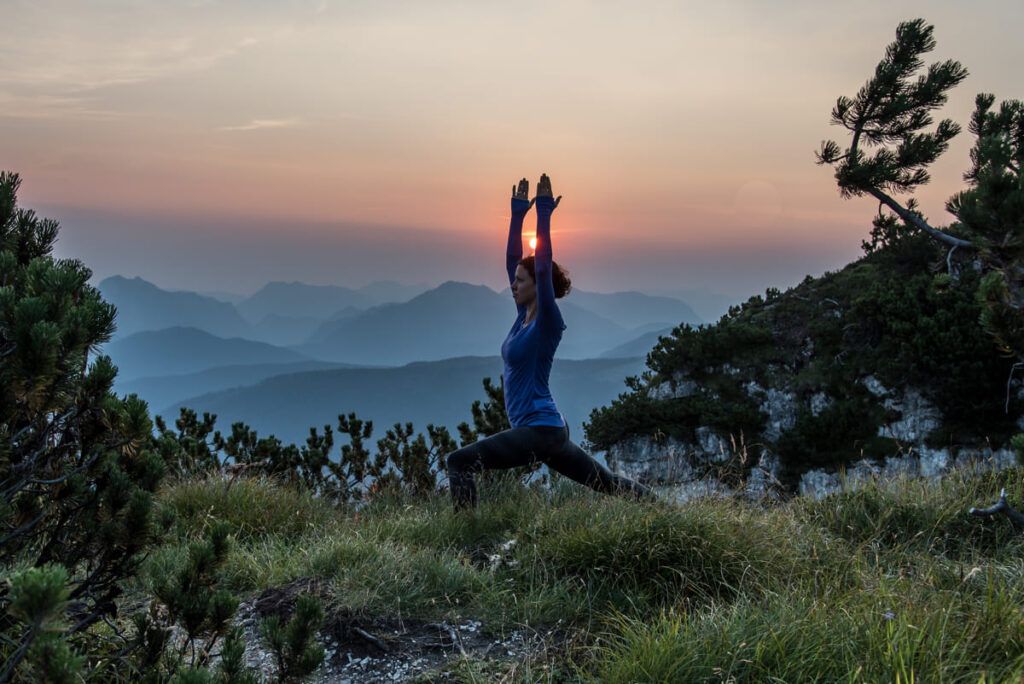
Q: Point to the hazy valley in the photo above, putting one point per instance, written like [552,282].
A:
[292,355]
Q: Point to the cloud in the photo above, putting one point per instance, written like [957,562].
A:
[260,124]
[45,106]
[60,59]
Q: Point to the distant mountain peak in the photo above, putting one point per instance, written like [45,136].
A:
[122,280]
[141,305]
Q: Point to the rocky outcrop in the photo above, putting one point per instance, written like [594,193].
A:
[690,468]
[877,368]
[779,406]
[675,388]
[917,418]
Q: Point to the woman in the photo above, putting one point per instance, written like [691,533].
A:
[539,432]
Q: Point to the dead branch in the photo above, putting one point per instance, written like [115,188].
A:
[370,639]
[1000,506]
[1009,381]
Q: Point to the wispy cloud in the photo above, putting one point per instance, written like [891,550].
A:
[60,58]
[45,106]
[261,124]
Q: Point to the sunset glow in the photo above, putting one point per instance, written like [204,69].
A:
[533,243]
[349,142]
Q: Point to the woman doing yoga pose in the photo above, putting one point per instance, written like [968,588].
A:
[539,433]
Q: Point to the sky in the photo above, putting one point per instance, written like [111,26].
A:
[220,145]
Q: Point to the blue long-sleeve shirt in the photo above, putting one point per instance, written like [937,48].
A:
[529,350]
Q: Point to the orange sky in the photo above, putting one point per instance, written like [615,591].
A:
[670,128]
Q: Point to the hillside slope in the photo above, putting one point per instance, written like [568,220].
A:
[880,359]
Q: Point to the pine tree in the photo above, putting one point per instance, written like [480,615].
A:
[350,471]
[192,449]
[294,643]
[888,116]
[489,416]
[77,472]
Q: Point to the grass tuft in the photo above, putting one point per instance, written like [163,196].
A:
[893,582]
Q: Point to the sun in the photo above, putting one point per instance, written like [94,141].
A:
[533,243]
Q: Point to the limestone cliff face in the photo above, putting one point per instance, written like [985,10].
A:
[696,466]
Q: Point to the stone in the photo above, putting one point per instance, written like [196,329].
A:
[858,474]
[711,447]
[918,417]
[933,462]
[817,483]
[818,403]
[641,458]
[778,406]
[874,386]
[677,387]
[763,480]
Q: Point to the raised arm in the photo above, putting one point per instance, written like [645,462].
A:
[548,315]
[520,205]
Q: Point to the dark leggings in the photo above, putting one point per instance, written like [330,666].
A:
[527,445]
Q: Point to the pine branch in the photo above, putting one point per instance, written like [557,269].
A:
[916,220]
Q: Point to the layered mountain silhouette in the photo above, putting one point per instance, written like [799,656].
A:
[300,300]
[186,350]
[187,332]
[639,346]
[162,391]
[459,319]
[141,306]
[439,392]
[284,331]
[635,309]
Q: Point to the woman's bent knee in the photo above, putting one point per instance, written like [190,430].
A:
[461,460]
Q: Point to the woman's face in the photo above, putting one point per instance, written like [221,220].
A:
[524,290]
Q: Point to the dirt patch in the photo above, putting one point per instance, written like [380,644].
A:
[373,648]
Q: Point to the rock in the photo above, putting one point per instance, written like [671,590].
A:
[874,386]
[818,403]
[763,481]
[925,462]
[918,417]
[858,474]
[684,463]
[779,406]
[711,447]
[818,484]
[676,388]
[641,458]
[695,489]
[933,462]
